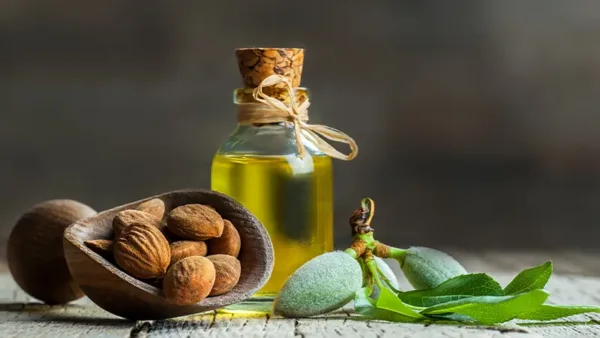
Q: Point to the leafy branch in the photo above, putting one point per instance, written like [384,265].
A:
[443,290]
[470,297]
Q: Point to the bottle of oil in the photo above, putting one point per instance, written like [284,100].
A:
[273,166]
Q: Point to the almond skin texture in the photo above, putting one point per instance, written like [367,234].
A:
[155,207]
[228,244]
[183,249]
[103,247]
[195,222]
[142,251]
[426,268]
[189,280]
[127,217]
[228,270]
[325,283]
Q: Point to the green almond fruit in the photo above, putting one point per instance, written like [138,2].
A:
[323,284]
[426,268]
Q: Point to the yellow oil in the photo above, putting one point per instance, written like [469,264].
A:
[293,199]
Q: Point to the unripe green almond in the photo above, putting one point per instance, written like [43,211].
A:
[388,273]
[426,268]
[323,284]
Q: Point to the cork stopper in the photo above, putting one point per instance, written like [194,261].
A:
[255,64]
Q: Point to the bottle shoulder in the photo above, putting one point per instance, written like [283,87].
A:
[266,140]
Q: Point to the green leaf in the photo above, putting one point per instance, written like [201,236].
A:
[550,312]
[492,309]
[530,279]
[365,306]
[389,301]
[453,317]
[459,287]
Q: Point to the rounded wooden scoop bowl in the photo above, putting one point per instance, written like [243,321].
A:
[123,295]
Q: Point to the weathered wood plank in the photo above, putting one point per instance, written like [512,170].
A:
[22,316]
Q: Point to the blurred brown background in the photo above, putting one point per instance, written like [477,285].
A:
[477,121]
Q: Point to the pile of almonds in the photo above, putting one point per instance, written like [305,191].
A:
[191,251]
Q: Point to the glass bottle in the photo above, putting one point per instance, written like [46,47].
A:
[261,166]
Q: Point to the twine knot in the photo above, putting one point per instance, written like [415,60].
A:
[273,110]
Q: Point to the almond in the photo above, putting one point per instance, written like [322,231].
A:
[228,270]
[426,268]
[103,247]
[127,217]
[142,251]
[228,244]
[195,222]
[189,280]
[183,249]
[333,276]
[155,207]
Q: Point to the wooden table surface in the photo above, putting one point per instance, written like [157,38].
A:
[575,281]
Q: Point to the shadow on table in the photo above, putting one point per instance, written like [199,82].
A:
[36,307]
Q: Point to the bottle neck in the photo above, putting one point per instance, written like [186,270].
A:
[283,128]
[284,114]
[282,125]
[271,124]
[245,95]
[267,104]
[252,112]
[267,139]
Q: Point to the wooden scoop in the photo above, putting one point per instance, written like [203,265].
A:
[123,295]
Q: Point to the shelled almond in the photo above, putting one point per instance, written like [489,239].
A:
[170,249]
[183,249]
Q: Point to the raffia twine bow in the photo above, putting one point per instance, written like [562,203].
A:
[273,110]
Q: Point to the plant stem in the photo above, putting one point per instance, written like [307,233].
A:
[368,279]
[370,290]
[364,245]
[351,252]
[367,239]
[397,254]
[372,266]
[386,280]
[362,234]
